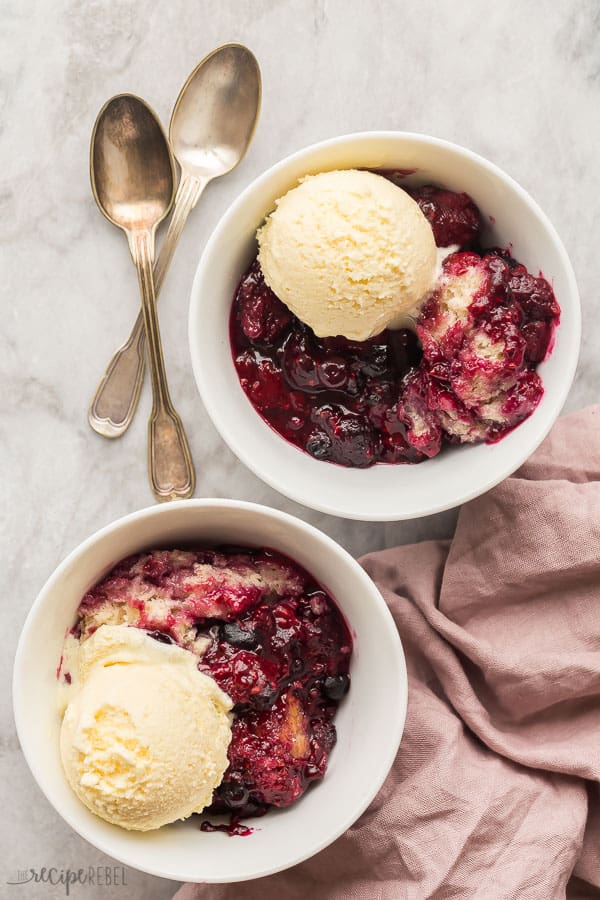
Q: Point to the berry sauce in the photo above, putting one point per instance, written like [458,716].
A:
[329,396]
[232,829]
[273,640]
[467,375]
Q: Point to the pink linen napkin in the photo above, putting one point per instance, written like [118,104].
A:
[495,791]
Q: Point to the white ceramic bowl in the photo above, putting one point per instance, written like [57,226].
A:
[369,721]
[382,492]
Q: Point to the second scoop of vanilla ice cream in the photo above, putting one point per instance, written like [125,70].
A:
[144,737]
[348,252]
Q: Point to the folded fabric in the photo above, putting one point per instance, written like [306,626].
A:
[495,792]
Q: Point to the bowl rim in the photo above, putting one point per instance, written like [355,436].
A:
[288,488]
[19,674]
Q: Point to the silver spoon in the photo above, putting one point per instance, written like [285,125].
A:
[212,124]
[133,181]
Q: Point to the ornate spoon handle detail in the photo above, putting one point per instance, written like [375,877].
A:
[170,464]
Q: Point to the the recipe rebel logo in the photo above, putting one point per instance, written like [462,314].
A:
[98,876]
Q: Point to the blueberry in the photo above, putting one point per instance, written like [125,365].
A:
[233,794]
[352,438]
[266,698]
[160,636]
[335,686]
[297,667]
[333,373]
[237,636]
[375,360]
[318,445]
[405,351]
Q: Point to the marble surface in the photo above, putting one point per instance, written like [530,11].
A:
[517,82]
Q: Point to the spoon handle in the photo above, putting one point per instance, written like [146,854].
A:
[116,398]
[170,463]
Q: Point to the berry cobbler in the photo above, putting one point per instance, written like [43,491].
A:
[268,635]
[463,372]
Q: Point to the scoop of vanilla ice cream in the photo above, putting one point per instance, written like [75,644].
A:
[144,736]
[348,252]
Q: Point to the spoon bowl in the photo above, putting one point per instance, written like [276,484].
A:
[132,172]
[215,115]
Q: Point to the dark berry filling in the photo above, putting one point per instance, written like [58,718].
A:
[271,638]
[467,375]
[454,218]
[329,396]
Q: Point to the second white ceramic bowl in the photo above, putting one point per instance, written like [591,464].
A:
[382,492]
[369,721]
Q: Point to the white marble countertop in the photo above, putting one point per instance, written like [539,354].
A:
[516,82]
